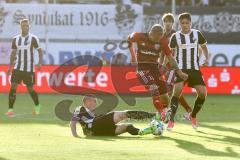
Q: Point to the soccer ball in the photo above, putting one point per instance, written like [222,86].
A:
[157,127]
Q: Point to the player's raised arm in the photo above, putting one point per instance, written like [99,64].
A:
[131,41]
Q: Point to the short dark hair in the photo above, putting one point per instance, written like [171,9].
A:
[87,96]
[185,15]
[24,20]
[168,16]
[156,28]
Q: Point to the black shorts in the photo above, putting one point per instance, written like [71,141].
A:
[104,125]
[152,79]
[194,78]
[28,78]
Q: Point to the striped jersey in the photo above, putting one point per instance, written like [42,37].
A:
[187,48]
[25,47]
[84,116]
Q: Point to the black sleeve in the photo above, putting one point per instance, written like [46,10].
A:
[173,41]
[14,46]
[201,38]
[35,42]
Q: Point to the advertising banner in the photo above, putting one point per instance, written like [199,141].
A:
[114,79]
[75,22]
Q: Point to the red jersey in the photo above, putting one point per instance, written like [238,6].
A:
[147,50]
[168,34]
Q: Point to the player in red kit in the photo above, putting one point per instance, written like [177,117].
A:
[149,48]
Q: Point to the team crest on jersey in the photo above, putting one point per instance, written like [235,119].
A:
[157,46]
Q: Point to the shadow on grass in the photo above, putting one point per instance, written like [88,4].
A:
[1,158]
[115,138]
[199,149]
[222,138]
[221,128]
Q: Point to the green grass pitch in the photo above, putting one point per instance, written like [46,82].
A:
[45,137]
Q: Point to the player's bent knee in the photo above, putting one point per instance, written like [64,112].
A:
[119,116]
[164,100]
[14,86]
[121,129]
[202,95]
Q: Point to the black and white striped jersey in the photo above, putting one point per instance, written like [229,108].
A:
[25,47]
[187,48]
[84,116]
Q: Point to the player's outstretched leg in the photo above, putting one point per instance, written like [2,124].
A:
[129,128]
[34,97]
[123,128]
[139,115]
[11,99]
[186,106]
[174,107]
[174,103]
[161,102]
[202,93]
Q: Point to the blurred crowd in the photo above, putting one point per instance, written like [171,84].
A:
[195,3]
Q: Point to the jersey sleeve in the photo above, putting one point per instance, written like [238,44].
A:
[76,114]
[35,42]
[201,39]
[173,41]
[165,48]
[14,46]
[132,38]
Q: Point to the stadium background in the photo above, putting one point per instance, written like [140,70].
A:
[99,27]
